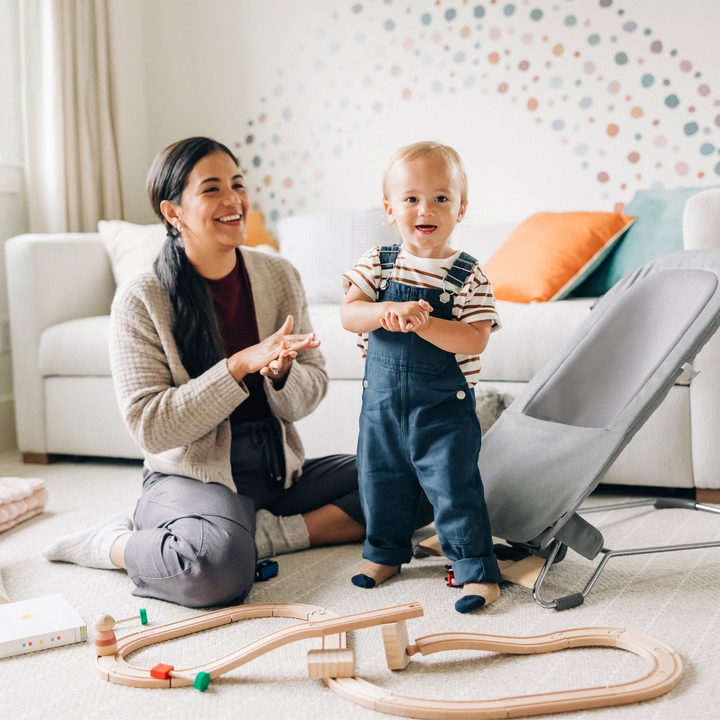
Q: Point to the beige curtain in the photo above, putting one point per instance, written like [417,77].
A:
[73,176]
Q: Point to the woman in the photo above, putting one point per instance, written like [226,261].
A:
[209,379]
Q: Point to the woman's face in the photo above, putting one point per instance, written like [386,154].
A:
[214,205]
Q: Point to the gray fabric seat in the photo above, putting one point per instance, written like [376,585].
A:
[553,445]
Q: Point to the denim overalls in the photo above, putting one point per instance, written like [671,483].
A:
[418,427]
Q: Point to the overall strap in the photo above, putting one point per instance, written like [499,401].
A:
[457,276]
[388,256]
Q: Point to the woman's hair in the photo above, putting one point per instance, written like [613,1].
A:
[196,330]
[426,148]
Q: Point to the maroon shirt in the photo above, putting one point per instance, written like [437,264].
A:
[235,310]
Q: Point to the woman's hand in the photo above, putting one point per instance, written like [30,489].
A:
[273,356]
[407,316]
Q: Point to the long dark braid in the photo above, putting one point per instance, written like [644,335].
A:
[196,329]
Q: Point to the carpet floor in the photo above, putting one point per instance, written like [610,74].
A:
[673,597]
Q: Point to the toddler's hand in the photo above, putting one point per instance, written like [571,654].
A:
[407,317]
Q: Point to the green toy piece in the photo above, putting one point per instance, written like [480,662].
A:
[202,680]
[143,616]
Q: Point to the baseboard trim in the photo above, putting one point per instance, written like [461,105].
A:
[708,496]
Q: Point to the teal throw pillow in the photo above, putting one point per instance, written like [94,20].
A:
[656,231]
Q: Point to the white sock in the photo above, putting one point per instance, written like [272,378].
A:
[90,547]
[276,535]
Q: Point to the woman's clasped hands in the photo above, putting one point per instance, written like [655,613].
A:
[273,356]
[407,316]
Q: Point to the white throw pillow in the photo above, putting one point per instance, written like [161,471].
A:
[130,247]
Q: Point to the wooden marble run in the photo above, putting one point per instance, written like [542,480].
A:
[334,662]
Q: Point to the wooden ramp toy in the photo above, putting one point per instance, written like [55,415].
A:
[334,663]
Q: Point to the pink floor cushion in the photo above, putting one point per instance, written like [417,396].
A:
[20,499]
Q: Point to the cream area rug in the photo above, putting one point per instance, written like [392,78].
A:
[672,597]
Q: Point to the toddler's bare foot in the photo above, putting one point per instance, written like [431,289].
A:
[373,574]
[477,595]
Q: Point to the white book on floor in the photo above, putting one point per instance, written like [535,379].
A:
[39,624]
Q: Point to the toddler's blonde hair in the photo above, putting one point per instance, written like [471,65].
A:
[427,148]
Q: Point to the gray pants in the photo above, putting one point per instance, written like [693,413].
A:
[194,542]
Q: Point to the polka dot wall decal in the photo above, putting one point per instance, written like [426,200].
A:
[426,19]
[465,32]
[686,66]
[605,3]
[494,33]
[267,180]
[630,26]
[612,130]
[570,20]
[556,82]
[558,124]
[558,49]
[256,161]
[594,39]
[524,65]
[389,25]
[357,8]
[656,46]
[527,38]
[621,58]
[647,80]
[636,112]
[585,103]
[717,169]
[287,182]
[614,86]
[536,14]
[603,177]
[704,90]
[450,14]
[493,58]
[633,157]
[508,10]
[717,120]
[581,149]
[502,87]
[479,11]
[589,67]
[406,93]
[673,53]
[249,139]
[672,101]
[681,168]
[707,149]
[532,104]
[690,128]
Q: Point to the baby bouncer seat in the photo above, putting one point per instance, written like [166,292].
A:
[551,448]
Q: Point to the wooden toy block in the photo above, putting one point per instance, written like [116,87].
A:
[395,639]
[331,663]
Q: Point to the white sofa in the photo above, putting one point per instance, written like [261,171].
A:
[61,287]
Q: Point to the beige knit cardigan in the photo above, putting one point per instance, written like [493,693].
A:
[182,424]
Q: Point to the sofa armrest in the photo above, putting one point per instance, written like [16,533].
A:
[51,278]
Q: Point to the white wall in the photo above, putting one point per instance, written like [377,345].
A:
[319,85]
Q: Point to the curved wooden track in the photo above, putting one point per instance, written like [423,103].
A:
[664,674]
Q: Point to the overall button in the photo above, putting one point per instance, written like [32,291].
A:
[461,395]
[365,384]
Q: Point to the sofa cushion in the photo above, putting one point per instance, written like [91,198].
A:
[658,229]
[323,245]
[550,253]
[76,347]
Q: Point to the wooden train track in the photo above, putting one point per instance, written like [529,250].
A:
[664,673]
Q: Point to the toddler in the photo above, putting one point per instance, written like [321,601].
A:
[424,313]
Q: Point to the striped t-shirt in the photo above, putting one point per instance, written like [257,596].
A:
[473,303]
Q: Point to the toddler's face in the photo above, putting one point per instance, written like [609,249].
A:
[424,201]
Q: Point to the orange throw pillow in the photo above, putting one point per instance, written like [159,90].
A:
[257,234]
[550,254]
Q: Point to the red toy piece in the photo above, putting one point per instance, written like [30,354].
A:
[162,671]
[450,577]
